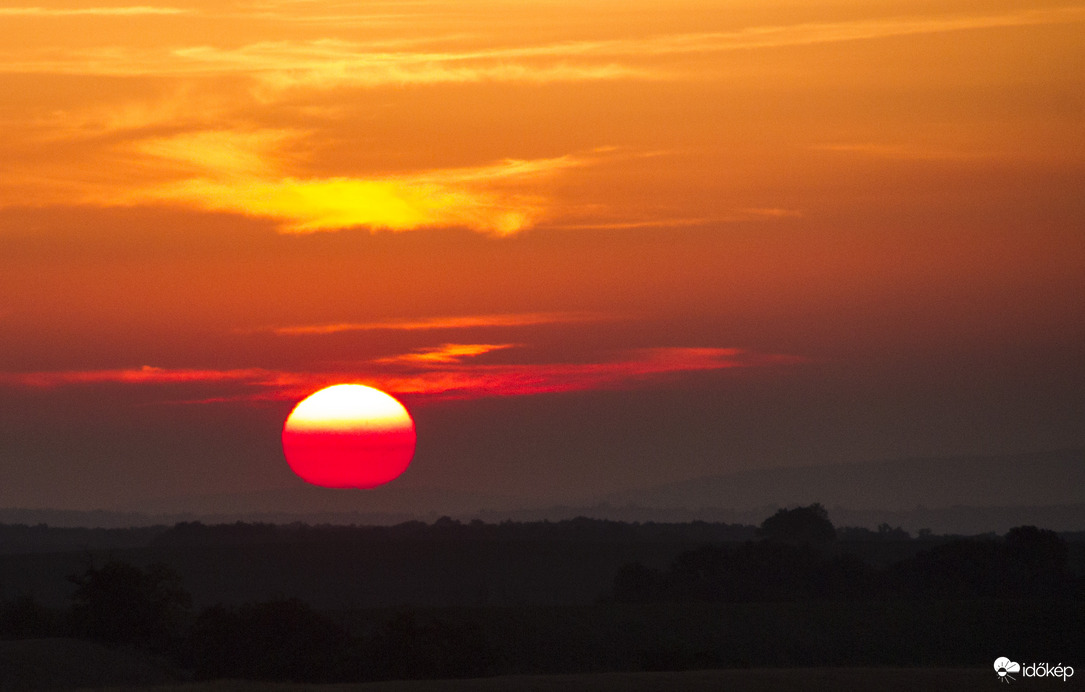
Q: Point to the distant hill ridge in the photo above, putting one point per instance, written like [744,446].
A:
[1020,480]
[966,494]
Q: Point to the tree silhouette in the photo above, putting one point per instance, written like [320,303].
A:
[1037,560]
[802,525]
[121,604]
[25,618]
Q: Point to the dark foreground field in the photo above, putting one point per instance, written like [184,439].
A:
[760,680]
[64,664]
[753,680]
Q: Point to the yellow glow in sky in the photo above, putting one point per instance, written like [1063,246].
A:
[492,115]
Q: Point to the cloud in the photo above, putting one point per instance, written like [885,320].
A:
[734,216]
[304,206]
[129,11]
[333,63]
[230,153]
[258,172]
[445,372]
[238,172]
[109,151]
[146,374]
[445,353]
[435,323]
[460,379]
[329,63]
[782,36]
[658,222]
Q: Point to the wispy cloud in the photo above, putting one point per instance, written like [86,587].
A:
[658,222]
[443,354]
[252,166]
[146,374]
[438,323]
[734,216]
[119,11]
[327,63]
[399,203]
[445,372]
[335,63]
[239,172]
[785,35]
[259,172]
[338,14]
[332,63]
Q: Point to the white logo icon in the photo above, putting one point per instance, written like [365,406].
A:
[1004,666]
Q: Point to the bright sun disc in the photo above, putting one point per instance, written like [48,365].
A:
[348,436]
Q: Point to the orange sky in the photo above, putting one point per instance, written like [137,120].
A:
[213,207]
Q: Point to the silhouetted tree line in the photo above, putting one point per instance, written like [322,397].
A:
[884,532]
[286,639]
[568,530]
[24,538]
[796,557]
[283,639]
[794,561]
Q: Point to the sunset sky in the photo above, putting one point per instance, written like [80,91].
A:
[591,245]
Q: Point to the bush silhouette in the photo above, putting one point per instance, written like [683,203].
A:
[119,603]
[25,618]
[808,525]
[1036,562]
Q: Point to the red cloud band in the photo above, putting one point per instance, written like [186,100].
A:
[447,378]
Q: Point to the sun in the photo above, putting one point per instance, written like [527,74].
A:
[349,436]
